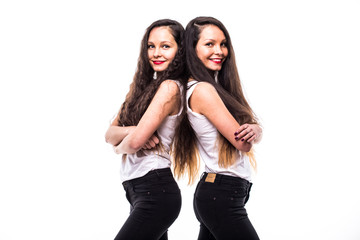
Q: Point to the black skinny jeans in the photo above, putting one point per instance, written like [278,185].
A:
[155,201]
[220,209]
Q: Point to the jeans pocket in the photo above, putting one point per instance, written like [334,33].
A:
[237,195]
[142,188]
[208,191]
[156,188]
[238,192]
[171,187]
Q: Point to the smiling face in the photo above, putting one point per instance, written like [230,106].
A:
[211,48]
[162,48]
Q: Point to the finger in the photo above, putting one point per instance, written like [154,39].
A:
[252,138]
[146,146]
[243,134]
[151,143]
[241,128]
[247,136]
[155,139]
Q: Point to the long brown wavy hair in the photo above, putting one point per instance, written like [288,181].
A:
[229,89]
[144,87]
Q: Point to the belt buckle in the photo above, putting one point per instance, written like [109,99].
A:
[210,177]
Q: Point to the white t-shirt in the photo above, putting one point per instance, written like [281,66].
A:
[207,136]
[140,163]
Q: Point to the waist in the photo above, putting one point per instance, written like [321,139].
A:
[139,164]
[224,179]
[157,173]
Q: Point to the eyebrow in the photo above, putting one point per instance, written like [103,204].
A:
[161,42]
[210,39]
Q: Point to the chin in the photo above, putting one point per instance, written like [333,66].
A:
[159,69]
[215,69]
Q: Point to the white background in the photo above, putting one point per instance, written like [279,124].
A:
[65,67]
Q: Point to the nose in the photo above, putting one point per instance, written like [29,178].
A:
[157,52]
[217,50]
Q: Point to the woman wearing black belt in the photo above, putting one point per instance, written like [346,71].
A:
[224,130]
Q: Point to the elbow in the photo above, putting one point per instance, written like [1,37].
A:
[245,147]
[134,146]
[127,147]
[109,138]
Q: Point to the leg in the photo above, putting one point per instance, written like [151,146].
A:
[164,236]
[205,234]
[156,204]
[236,220]
[222,210]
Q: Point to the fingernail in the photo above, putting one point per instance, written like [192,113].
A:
[242,140]
[236,133]
[236,138]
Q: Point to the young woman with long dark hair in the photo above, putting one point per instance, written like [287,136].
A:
[143,132]
[221,127]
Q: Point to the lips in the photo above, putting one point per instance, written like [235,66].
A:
[158,62]
[216,60]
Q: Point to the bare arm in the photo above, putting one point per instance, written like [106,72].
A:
[206,101]
[115,134]
[165,102]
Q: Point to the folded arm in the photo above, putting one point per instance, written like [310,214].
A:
[165,102]
[115,134]
[206,101]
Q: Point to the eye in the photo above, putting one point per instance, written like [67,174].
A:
[166,46]
[209,44]
[224,44]
[150,46]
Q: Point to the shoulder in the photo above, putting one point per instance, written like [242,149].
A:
[205,99]
[204,90]
[169,87]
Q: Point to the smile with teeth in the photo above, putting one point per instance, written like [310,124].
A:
[216,60]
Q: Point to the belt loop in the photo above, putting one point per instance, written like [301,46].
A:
[249,185]
[127,184]
[202,175]
[219,178]
[157,173]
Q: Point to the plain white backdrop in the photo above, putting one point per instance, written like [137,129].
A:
[65,67]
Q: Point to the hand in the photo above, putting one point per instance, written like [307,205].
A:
[151,143]
[250,133]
